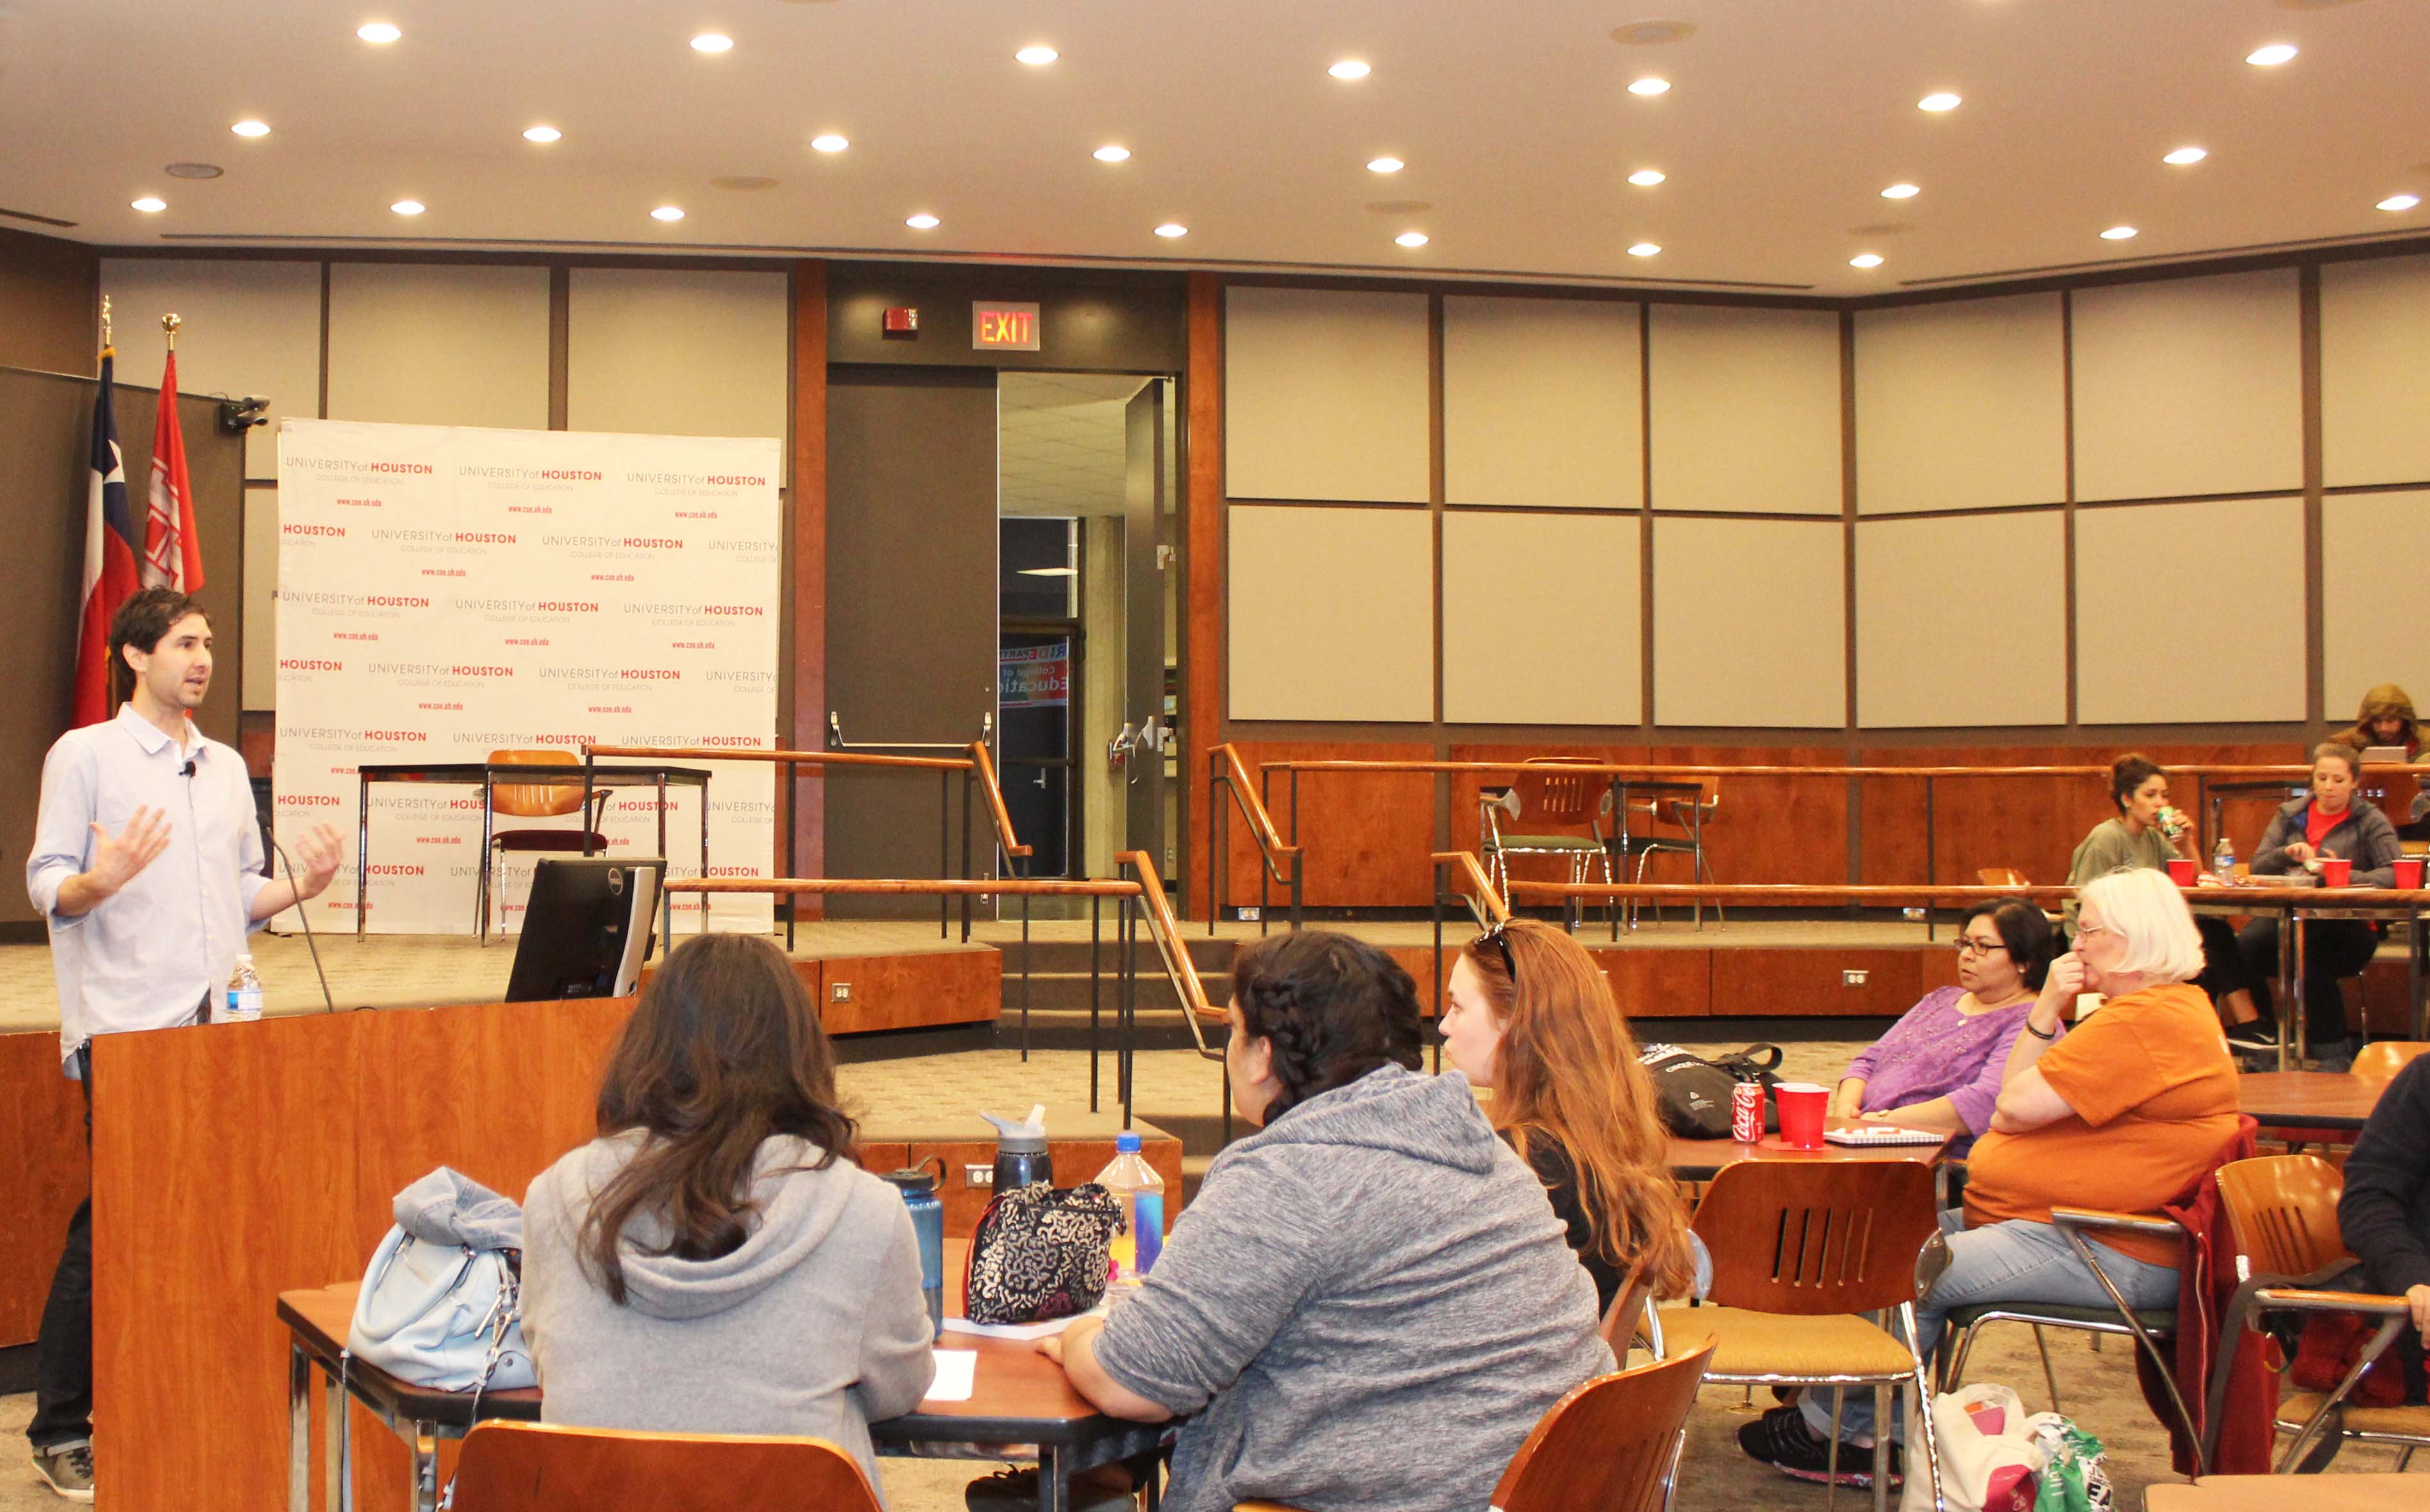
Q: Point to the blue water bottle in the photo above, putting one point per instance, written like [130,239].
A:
[919,1191]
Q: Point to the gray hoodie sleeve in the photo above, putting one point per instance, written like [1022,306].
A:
[898,1358]
[1240,1258]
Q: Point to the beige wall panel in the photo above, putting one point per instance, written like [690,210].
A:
[2375,553]
[1543,403]
[1745,409]
[250,329]
[1962,620]
[261,598]
[2146,579]
[2375,372]
[1750,623]
[1332,614]
[1326,395]
[670,351]
[2188,385]
[1541,619]
[1961,405]
[422,344]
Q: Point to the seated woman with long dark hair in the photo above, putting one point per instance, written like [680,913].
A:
[2148,834]
[1530,1016]
[1369,1304]
[714,1262]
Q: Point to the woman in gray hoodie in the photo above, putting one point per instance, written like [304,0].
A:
[1369,1302]
[712,1262]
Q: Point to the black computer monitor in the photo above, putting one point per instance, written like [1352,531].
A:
[587,927]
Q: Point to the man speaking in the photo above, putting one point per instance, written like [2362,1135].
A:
[147,867]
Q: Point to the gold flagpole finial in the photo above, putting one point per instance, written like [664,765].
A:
[169,324]
[106,342]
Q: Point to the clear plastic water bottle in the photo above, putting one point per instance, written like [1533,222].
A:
[1135,1185]
[2223,861]
[243,993]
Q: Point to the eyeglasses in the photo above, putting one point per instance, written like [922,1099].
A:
[1499,938]
[1979,947]
[2085,931]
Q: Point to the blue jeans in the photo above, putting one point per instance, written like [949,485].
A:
[2016,1261]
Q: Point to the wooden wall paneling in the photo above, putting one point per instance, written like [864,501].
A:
[1368,836]
[1075,1160]
[1809,983]
[1768,829]
[1659,981]
[963,985]
[1201,650]
[805,709]
[50,303]
[47,1175]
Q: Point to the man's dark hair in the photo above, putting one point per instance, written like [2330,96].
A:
[141,622]
[1333,1007]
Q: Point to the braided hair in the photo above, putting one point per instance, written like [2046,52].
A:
[1333,1008]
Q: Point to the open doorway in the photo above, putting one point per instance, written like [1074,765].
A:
[1087,689]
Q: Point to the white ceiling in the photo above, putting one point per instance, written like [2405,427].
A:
[1787,118]
[1062,447]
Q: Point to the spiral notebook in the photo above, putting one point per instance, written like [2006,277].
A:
[1865,1134]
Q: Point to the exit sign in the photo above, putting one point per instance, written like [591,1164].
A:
[998,328]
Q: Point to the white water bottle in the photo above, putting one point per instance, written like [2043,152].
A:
[2223,861]
[243,993]
[1134,1184]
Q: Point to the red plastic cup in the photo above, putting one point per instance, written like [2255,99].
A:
[2408,872]
[1803,1107]
[2181,871]
[2335,872]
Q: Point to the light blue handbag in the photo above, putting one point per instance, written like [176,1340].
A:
[440,1305]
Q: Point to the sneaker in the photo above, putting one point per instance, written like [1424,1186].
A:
[1105,1489]
[1782,1440]
[2253,1038]
[69,1470]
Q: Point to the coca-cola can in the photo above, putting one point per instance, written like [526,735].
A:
[1746,1112]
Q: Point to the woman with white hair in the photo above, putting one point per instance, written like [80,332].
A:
[2132,1108]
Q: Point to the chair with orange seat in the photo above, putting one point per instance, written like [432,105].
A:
[2282,1210]
[532,799]
[531,1467]
[1611,1445]
[2381,1060]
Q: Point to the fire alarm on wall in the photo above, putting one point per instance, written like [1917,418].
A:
[901,320]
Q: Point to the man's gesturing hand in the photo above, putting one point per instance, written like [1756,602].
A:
[319,851]
[138,844]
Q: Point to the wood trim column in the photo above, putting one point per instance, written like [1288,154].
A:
[1202,560]
[805,806]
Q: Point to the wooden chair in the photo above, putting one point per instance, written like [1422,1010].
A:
[1799,1252]
[1544,799]
[2381,1060]
[1685,818]
[532,1467]
[2282,1210]
[533,800]
[1613,1445]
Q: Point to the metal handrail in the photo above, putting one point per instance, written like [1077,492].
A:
[1224,769]
[1165,929]
[983,764]
[1481,900]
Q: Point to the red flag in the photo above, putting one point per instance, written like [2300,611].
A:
[109,556]
[173,554]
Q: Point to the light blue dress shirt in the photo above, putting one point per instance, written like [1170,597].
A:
[147,956]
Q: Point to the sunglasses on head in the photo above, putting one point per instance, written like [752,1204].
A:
[1499,938]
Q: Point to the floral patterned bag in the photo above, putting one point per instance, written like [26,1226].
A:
[1040,1253]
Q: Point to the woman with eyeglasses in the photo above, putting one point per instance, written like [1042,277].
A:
[1939,1067]
[1529,1014]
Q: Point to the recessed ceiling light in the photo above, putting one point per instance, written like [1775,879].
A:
[251,129]
[921,222]
[1411,238]
[1650,85]
[829,142]
[1866,259]
[1643,249]
[2400,202]
[667,212]
[1937,102]
[541,134]
[1111,154]
[2185,156]
[2118,233]
[1385,165]
[1901,192]
[1652,33]
[407,206]
[1646,177]
[1172,228]
[712,42]
[1036,54]
[193,170]
[151,204]
[377,31]
[2271,55]
[1050,572]
[1349,68]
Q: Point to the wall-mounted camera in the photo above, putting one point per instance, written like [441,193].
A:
[237,416]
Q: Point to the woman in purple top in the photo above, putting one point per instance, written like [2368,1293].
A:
[1939,1066]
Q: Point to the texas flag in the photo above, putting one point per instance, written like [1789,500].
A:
[109,556]
[173,554]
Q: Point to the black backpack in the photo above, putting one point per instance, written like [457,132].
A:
[1693,1094]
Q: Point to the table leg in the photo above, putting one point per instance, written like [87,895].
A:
[1930,879]
[299,1430]
[1054,1487]
[337,1455]
[2291,988]
[2303,1032]
[426,1467]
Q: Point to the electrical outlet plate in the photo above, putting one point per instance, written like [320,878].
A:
[979,1175]
[1853,978]
[839,992]
[1249,914]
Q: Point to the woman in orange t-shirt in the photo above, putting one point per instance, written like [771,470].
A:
[2130,1109]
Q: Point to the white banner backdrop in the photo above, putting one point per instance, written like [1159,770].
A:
[446,592]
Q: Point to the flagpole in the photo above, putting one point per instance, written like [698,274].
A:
[169,324]
[106,344]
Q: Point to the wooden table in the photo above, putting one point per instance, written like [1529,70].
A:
[1703,1159]
[2307,1099]
[1018,1397]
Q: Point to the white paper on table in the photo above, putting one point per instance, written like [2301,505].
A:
[957,1374]
[1052,1325]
